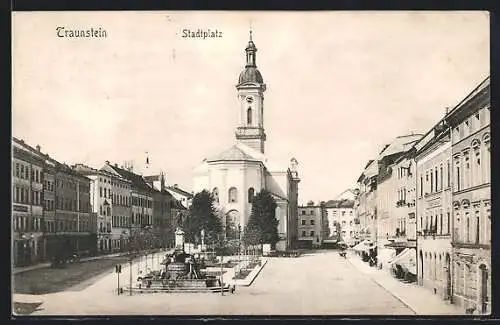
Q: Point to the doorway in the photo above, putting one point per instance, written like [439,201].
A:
[447,270]
[421,266]
[483,287]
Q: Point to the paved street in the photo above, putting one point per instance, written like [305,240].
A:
[319,283]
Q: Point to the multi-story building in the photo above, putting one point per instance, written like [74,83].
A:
[342,222]
[76,225]
[27,204]
[432,157]
[390,196]
[184,197]
[111,201]
[312,228]
[141,196]
[162,209]
[469,122]
[366,204]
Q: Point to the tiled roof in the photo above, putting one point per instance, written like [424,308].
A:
[339,204]
[152,178]
[49,161]
[400,144]
[235,153]
[242,152]
[137,180]
[180,191]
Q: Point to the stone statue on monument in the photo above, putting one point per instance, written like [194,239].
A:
[179,238]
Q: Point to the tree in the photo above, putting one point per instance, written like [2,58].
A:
[262,226]
[202,215]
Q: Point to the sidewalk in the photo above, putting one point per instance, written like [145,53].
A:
[22,269]
[417,298]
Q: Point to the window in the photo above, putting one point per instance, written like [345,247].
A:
[343,213]
[312,233]
[440,177]
[303,233]
[478,228]
[249,116]
[448,178]
[458,185]
[312,222]
[311,212]
[466,174]
[303,222]
[233,195]
[100,191]
[251,193]
[303,212]
[432,182]
[215,194]
[421,185]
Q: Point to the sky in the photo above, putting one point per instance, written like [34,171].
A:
[340,85]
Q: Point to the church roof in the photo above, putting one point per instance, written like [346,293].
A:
[235,153]
[250,75]
[242,152]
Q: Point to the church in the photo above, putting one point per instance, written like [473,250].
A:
[235,175]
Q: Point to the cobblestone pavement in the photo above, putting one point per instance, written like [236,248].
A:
[320,283]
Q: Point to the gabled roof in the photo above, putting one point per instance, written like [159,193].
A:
[137,181]
[242,152]
[339,204]
[400,144]
[235,153]
[180,191]
[47,160]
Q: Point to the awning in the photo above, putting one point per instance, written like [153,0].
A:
[401,244]
[386,255]
[407,260]
[364,246]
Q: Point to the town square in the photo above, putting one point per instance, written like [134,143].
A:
[249,168]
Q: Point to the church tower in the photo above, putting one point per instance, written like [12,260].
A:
[251,88]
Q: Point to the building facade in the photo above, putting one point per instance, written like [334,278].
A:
[393,187]
[469,122]
[366,202]
[312,227]
[184,197]
[238,173]
[111,201]
[342,222]
[432,156]
[27,205]
[141,196]
[163,204]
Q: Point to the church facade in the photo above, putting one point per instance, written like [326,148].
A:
[235,175]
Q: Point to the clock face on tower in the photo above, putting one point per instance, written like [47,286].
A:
[249,99]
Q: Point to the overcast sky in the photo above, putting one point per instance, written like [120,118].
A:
[339,86]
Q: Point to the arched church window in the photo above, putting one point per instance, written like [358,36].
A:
[233,195]
[215,194]
[249,116]
[251,193]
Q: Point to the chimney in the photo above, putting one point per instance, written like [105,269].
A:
[175,185]
[38,148]
[162,182]
[107,162]
[116,165]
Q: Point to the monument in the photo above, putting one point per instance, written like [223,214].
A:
[179,239]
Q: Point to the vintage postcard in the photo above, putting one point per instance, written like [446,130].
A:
[251,163]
